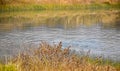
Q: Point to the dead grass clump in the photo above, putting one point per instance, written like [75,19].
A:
[55,58]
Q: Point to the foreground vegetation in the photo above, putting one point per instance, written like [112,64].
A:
[54,58]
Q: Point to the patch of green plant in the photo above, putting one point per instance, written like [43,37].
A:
[36,7]
[7,67]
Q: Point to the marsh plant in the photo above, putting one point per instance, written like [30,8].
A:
[54,58]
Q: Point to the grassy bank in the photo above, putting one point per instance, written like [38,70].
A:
[36,7]
[55,58]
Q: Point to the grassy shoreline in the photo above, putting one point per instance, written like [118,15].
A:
[36,7]
[54,58]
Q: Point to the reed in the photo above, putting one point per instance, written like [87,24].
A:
[54,58]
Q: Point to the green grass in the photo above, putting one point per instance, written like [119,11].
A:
[36,7]
[7,67]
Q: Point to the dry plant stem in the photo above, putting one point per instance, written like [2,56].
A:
[55,58]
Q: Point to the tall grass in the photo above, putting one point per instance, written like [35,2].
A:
[55,58]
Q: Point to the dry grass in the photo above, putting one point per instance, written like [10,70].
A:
[55,58]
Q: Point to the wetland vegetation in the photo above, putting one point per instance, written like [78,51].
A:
[54,58]
[23,23]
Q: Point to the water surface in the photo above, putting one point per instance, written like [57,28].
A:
[98,32]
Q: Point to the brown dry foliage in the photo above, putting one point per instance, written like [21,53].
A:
[55,58]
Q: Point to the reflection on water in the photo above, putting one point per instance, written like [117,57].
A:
[64,20]
[98,32]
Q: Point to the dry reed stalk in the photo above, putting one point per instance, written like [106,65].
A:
[55,58]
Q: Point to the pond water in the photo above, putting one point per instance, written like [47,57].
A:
[98,32]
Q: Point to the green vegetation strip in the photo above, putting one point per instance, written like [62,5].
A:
[29,7]
[7,67]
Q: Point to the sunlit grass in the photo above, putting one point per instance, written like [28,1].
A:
[54,58]
[7,67]
[36,7]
